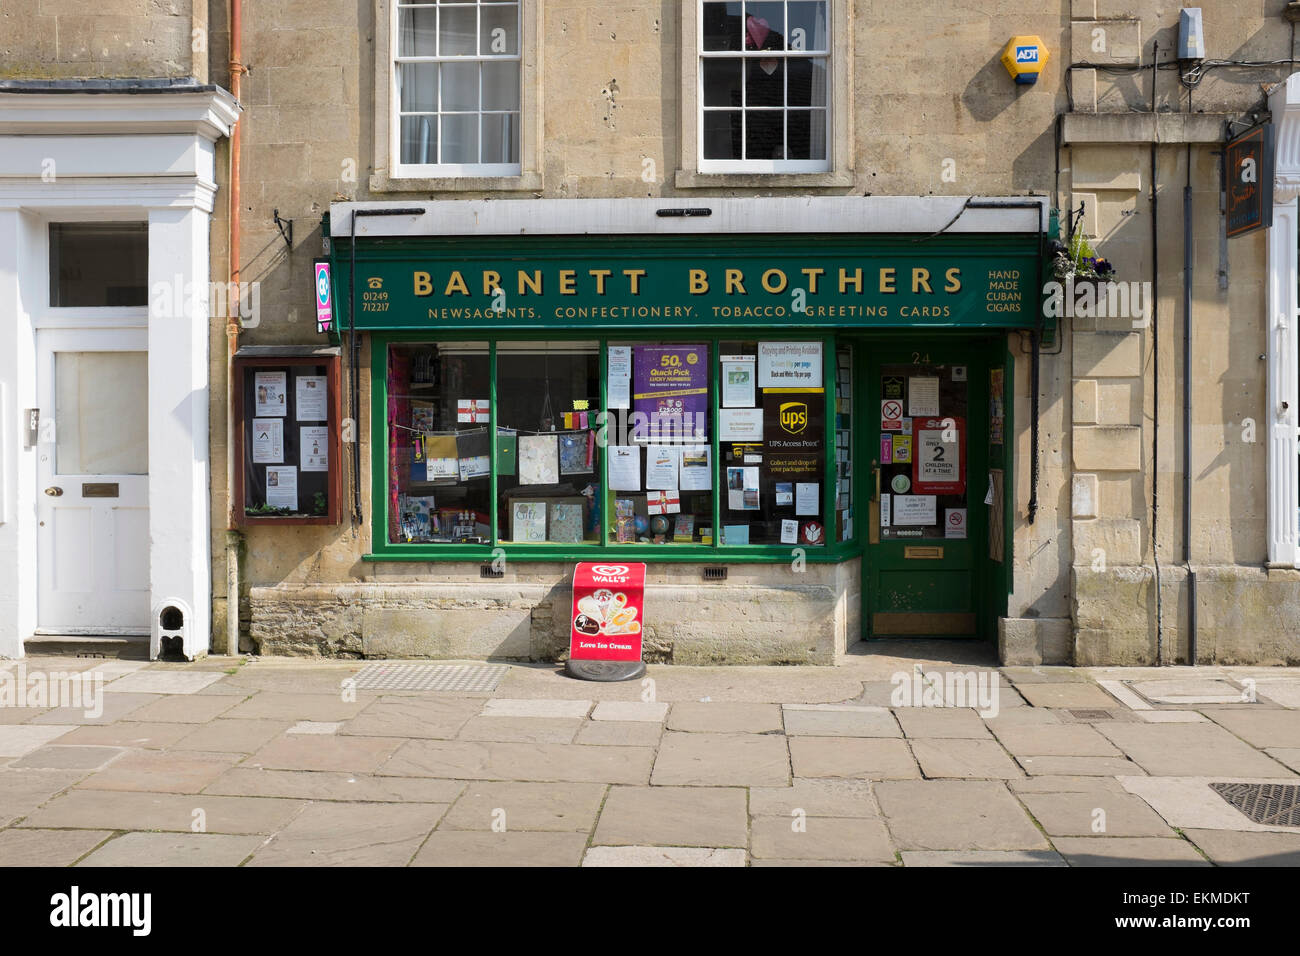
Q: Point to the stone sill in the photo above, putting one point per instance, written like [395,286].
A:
[527,182]
[690,179]
[1078,129]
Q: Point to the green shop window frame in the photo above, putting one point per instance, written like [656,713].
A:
[383,550]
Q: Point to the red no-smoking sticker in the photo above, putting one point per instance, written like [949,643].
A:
[891,415]
[954,522]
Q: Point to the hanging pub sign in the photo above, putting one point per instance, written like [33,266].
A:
[324,297]
[1249,170]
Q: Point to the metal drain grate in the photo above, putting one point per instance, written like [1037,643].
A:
[467,678]
[1274,803]
[1092,715]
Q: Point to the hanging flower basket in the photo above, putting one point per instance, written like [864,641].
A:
[1079,262]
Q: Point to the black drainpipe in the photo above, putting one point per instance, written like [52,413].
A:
[1155,373]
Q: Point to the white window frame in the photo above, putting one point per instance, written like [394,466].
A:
[763,165]
[527,176]
[836,171]
[1283,338]
[433,170]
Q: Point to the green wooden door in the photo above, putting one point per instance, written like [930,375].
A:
[925,433]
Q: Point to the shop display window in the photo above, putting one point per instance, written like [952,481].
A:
[439,443]
[548,462]
[620,443]
[660,470]
[772,433]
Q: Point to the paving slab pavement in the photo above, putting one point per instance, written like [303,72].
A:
[284,762]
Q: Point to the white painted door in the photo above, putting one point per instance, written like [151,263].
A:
[93,502]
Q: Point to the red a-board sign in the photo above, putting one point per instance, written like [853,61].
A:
[607,613]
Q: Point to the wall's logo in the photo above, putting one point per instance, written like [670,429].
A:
[609,570]
[375,282]
[794,417]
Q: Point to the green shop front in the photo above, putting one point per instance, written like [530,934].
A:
[805,435]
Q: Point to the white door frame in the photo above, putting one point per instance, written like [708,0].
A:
[49,342]
[1282,317]
[147,156]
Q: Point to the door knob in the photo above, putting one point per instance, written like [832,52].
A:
[53,491]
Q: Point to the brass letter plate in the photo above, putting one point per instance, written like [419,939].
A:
[928,553]
[101,490]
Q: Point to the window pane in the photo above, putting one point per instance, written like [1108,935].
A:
[773,443]
[722,81]
[460,138]
[419,86]
[457,31]
[722,26]
[807,85]
[101,413]
[722,134]
[658,461]
[438,448]
[501,85]
[808,28]
[419,139]
[765,82]
[928,478]
[500,30]
[416,31]
[548,465]
[460,86]
[765,26]
[764,133]
[806,132]
[500,138]
[97,264]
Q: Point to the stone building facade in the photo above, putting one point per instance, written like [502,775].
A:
[1146,510]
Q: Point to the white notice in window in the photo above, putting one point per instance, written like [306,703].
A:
[923,396]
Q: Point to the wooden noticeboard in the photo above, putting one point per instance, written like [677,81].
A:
[288,452]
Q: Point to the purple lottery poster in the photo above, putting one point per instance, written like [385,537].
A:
[670,387]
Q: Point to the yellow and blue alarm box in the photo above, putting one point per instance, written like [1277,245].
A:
[1024,59]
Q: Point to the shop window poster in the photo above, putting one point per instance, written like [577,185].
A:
[574,457]
[268,441]
[566,523]
[528,521]
[539,462]
[789,365]
[738,381]
[310,398]
[313,447]
[269,390]
[670,386]
[282,486]
[667,502]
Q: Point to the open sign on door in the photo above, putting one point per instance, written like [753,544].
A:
[939,457]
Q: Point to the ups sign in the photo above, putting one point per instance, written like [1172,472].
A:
[794,417]
[1249,187]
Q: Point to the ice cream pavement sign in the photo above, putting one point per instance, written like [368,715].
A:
[607,621]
